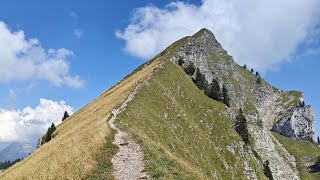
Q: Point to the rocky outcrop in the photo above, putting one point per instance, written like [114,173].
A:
[278,110]
[299,124]
[281,163]
[265,107]
[41,141]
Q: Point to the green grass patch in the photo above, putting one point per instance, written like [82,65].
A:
[183,132]
[104,168]
[290,99]
[304,152]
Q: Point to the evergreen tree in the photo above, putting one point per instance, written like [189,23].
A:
[245,66]
[200,80]
[53,128]
[266,170]
[180,61]
[259,80]
[226,99]
[252,70]
[257,74]
[214,91]
[7,164]
[241,126]
[190,69]
[318,140]
[65,115]
[48,136]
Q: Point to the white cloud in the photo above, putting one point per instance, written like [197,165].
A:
[23,125]
[24,59]
[259,33]
[78,33]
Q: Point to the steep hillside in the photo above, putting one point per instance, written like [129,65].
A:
[82,147]
[183,133]
[266,107]
[305,153]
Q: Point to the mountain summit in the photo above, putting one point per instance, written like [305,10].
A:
[189,113]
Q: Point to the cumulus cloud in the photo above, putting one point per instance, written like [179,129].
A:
[260,33]
[24,59]
[23,125]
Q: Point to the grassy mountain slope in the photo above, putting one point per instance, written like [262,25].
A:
[305,153]
[184,133]
[262,103]
[82,145]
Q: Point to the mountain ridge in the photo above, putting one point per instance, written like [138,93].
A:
[226,66]
[15,150]
[183,133]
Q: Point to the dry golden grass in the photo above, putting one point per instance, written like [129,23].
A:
[72,154]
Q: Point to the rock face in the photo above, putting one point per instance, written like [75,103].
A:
[299,124]
[266,108]
[40,142]
[282,164]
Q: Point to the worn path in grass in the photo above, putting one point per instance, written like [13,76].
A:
[128,162]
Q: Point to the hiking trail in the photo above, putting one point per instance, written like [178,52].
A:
[128,163]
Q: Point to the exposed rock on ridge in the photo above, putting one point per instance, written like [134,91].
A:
[265,107]
[286,117]
[299,124]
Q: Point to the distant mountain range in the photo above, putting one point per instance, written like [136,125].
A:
[16,150]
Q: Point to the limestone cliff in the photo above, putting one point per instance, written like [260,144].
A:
[265,107]
[298,124]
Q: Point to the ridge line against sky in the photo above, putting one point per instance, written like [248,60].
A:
[267,35]
[82,53]
[248,30]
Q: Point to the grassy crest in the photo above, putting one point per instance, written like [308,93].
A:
[184,133]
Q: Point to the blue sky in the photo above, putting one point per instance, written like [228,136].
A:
[101,47]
